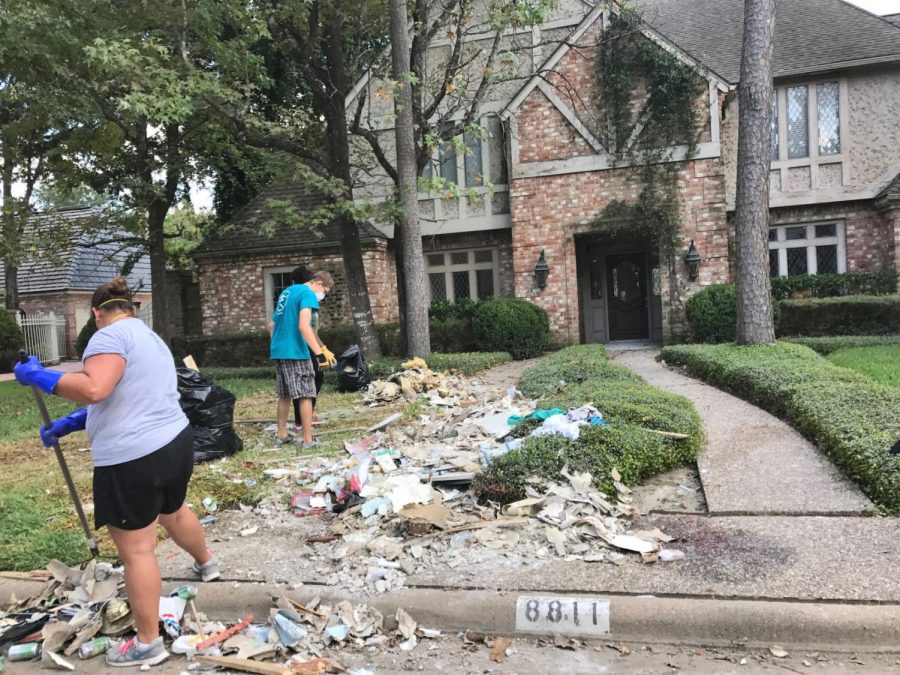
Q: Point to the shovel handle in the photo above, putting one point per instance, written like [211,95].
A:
[70,484]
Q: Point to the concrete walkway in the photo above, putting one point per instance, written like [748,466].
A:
[65,367]
[755,463]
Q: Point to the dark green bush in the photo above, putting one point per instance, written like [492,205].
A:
[452,335]
[833,285]
[579,375]
[712,313]
[511,325]
[827,345]
[84,335]
[851,315]
[467,364]
[461,309]
[848,416]
[11,341]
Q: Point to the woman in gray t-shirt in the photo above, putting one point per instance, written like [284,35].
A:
[142,453]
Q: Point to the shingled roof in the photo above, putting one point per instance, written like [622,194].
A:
[810,35]
[259,227]
[84,264]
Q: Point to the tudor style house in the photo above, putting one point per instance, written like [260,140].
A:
[835,190]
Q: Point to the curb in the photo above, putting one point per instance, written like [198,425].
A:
[692,621]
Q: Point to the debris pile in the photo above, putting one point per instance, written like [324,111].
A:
[399,502]
[80,612]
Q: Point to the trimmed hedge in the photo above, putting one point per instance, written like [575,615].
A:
[11,341]
[827,345]
[511,325]
[834,285]
[466,363]
[85,334]
[579,375]
[850,417]
[712,313]
[852,315]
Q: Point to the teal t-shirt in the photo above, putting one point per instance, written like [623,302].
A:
[287,342]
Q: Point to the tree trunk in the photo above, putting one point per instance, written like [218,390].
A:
[156,217]
[401,285]
[11,237]
[754,297]
[339,152]
[417,329]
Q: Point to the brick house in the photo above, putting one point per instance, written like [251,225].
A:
[835,192]
[63,286]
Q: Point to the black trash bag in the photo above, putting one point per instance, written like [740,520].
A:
[353,373]
[210,410]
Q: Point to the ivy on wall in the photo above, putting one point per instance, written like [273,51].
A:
[642,129]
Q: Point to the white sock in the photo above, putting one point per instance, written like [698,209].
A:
[141,646]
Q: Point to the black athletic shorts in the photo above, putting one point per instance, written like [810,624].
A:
[131,495]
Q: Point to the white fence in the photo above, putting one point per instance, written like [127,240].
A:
[145,314]
[45,336]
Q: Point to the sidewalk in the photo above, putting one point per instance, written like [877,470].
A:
[755,464]
[65,367]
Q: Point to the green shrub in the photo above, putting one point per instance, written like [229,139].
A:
[833,285]
[511,325]
[712,313]
[11,341]
[84,335]
[827,345]
[461,309]
[852,315]
[848,416]
[467,364]
[452,335]
[579,375]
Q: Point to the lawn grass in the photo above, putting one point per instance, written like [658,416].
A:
[882,364]
[20,416]
[38,522]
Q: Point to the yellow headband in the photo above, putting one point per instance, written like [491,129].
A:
[112,300]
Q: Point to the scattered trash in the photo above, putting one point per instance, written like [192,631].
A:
[353,372]
[778,652]
[208,520]
[498,651]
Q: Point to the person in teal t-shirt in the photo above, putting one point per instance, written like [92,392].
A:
[292,346]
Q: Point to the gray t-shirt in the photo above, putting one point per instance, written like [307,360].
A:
[142,414]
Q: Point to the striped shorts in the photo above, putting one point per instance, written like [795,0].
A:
[294,378]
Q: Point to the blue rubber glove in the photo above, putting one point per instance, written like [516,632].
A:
[74,421]
[33,374]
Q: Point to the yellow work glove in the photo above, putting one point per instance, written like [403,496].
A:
[329,356]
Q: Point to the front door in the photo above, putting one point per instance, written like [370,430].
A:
[626,283]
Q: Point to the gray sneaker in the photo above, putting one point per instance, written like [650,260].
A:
[287,440]
[128,654]
[208,571]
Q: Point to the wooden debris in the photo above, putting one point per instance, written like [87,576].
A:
[225,634]
[498,651]
[244,665]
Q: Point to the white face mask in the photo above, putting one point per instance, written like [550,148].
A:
[320,296]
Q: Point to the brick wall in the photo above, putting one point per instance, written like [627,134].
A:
[548,212]
[232,291]
[73,305]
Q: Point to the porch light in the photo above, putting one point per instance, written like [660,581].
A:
[541,271]
[692,260]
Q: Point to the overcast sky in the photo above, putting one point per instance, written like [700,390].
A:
[879,6]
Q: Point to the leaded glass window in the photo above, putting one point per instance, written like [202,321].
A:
[774,125]
[829,119]
[798,122]
[471,274]
[807,249]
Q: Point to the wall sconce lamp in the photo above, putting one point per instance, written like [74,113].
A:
[541,271]
[692,260]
